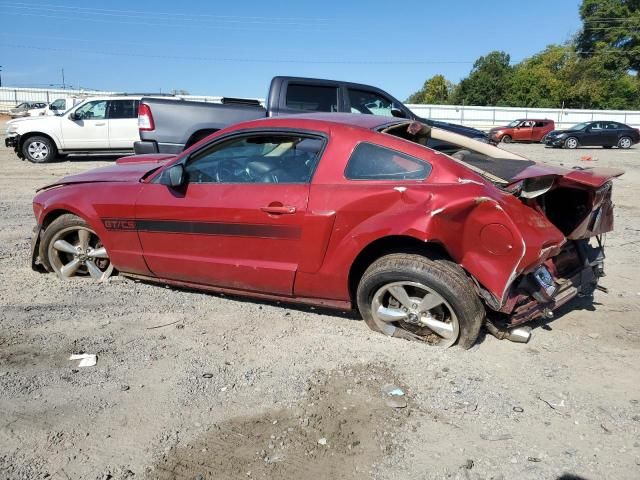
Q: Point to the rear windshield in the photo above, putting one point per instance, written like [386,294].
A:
[503,169]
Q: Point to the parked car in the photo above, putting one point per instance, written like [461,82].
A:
[605,134]
[22,110]
[97,125]
[61,105]
[522,130]
[422,230]
[169,125]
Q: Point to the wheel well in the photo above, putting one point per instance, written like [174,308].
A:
[199,135]
[385,246]
[51,216]
[26,136]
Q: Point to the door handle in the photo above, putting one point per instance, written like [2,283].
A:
[279,209]
[101,124]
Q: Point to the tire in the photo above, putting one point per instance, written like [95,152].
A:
[507,139]
[39,149]
[70,247]
[625,143]
[571,143]
[444,285]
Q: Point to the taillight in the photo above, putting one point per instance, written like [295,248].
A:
[145,119]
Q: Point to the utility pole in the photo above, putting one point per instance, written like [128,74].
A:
[63,84]
[0,75]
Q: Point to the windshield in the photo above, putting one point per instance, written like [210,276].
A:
[579,126]
[514,123]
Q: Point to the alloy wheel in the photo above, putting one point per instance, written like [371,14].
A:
[625,142]
[417,309]
[38,150]
[77,251]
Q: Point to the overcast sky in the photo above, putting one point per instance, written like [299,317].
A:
[234,48]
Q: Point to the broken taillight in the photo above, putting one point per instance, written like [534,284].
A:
[145,119]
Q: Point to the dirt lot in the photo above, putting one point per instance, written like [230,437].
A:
[237,389]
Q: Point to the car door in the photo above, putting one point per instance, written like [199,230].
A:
[610,134]
[592,135]
[522,132]
[85,128]
[538,131]
[122,119]
[237,223]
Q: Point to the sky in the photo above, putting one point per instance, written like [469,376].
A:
[233,49]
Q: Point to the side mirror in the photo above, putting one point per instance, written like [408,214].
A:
[174,176]
[396,112]
[76,116]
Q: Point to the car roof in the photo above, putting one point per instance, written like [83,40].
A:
[369,122]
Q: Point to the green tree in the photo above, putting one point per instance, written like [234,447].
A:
[436,91]
[611,30]
[539,81]
[487,83]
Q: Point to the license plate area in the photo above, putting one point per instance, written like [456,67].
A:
[545,280]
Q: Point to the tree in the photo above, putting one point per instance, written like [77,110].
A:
[538,81]
[487,83]
[611,30]
[436,91]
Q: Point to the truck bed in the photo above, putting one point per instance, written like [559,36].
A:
[180,123]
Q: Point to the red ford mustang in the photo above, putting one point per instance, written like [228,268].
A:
[428,233]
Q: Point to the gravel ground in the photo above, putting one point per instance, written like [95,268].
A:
[239,389]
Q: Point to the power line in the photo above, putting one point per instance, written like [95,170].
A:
[240,60]
[278,21]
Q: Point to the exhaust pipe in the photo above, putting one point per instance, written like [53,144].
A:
[518,334]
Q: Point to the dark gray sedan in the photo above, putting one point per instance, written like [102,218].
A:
[606,134]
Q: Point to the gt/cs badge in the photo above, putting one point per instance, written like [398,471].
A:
[119,224]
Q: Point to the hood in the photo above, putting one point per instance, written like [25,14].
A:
[126,169]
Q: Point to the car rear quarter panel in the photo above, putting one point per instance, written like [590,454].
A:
[490,233]
[95,203]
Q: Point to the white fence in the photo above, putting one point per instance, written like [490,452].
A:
[478,117]
[487,117]
[10,97]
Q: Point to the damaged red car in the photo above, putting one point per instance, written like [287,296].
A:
[428,234]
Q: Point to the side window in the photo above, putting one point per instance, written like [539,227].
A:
[596,126]
[540,124]
[611,126]
[373,162]
[259,158]
[58,104]
[369,103]
[95,110]
[312,97]
[123,109]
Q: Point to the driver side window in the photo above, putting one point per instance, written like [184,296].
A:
[96,110]
[258,158]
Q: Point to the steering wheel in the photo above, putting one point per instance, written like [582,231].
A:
[230,171]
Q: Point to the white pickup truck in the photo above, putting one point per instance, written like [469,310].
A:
[97,125]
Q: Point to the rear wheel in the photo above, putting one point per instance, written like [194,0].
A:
[71,248]
[571,143]
[38,149]
[625,142]
[507,139]
[412,297]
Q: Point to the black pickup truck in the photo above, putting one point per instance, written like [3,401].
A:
[169,125]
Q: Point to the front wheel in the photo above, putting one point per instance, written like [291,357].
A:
[38,149]
[69,247]
[625,142]
[507,139]
[412,297]
[571,143]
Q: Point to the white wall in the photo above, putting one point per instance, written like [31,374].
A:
[487,117]
[478,117]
